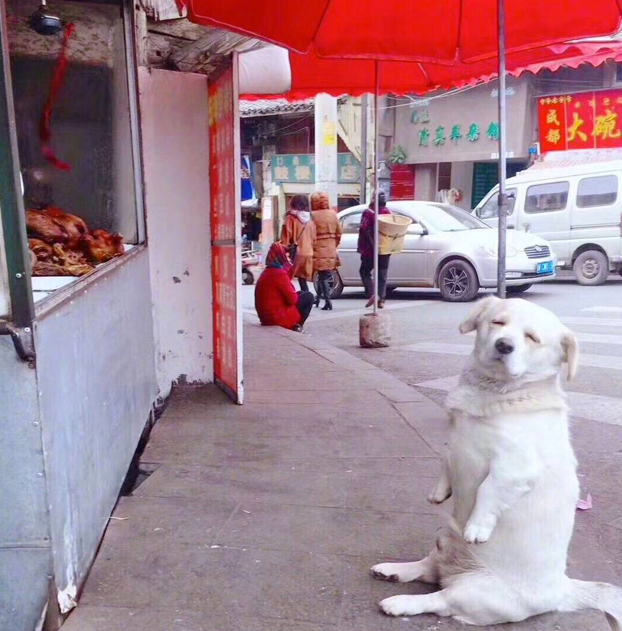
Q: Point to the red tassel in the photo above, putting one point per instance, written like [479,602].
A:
[45,131]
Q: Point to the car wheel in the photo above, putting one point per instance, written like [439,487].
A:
[457,281]
[591,268]
[335,284]
[518,289]
[247,277]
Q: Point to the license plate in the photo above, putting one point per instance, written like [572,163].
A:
[545,268]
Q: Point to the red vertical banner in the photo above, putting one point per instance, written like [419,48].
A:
[552,123]
[580,109]
[402,182]
[225,218]
[608,119]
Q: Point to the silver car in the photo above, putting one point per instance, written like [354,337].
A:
[449,249]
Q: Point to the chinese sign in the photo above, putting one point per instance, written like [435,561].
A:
[294,168]
[224,154]
[348,168]
[300,168]
[438,135]
[464,126]
[589,120]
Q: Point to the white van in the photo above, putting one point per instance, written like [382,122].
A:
[577,208]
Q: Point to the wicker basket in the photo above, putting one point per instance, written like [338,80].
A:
[392,230]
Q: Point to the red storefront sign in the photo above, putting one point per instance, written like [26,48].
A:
[588,120]
[225,215]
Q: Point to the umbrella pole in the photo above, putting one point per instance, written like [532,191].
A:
[376,235]
[502,154]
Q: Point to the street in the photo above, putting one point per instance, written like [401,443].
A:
[428,353]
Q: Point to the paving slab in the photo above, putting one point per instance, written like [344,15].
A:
[333,531]
[280,483]
[220,582]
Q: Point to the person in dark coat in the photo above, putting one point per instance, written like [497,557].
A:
[366,250]
[276,301]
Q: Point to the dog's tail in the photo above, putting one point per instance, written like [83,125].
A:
[600,596]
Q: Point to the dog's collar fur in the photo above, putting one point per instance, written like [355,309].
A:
[483,396]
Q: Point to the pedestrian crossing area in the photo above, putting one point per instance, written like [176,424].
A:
[600,349]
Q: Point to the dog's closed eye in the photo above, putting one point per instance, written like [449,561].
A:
[532,337]
[498,322]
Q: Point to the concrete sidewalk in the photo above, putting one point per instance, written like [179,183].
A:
[267,517]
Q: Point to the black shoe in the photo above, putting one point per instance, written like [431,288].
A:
[316,302]
[325,291]
[297,328]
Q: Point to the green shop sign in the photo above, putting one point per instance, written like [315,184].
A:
[436,136]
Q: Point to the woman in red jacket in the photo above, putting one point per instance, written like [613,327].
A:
[276,301]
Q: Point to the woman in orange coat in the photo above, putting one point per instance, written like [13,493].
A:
[299,232]
[325,258]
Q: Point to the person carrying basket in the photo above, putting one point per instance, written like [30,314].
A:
[366,250]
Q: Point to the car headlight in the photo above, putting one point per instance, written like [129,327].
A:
[493,250]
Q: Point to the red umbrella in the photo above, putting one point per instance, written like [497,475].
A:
[442,31]
[454,33]
[312,75]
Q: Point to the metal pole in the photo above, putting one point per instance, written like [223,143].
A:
[12,215]
[376,192]
[502,153]
[364,147]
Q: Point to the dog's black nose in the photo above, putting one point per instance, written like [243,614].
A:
[504,346]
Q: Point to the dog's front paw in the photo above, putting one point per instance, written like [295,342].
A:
[398,606]
[439,495]
[386,572]
[478,532]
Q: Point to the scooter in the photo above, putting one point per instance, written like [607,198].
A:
[248,260]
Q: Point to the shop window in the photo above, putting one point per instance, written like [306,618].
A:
[597,191]
[90,132]
[444,176]
[549,197]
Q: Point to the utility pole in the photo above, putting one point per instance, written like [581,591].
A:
[364,147]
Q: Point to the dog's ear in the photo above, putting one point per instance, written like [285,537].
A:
[472,321]
[571,353]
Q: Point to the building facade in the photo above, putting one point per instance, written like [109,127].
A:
[450,140]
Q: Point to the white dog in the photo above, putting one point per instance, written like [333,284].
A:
[512,474]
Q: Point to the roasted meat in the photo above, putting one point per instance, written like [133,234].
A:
[33,260]
[101,246]
[75,227]
[56,260]
[44,227]
[42,250]
[45,268]
[73,261]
